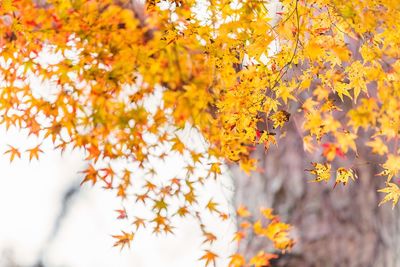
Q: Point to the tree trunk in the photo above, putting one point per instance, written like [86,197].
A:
[332,227]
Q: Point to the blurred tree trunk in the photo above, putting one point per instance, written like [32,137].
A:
[332,227]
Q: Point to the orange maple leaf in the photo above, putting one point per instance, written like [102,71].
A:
[91,175]
[124,239]
[209,257]
[13,152]
[34,152]
[209,237]
[139,222]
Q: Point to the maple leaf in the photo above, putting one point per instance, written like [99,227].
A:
[237,260]
[392,194]
[142,197]
[150,186]
[364,115]
[267,213]
[343,175]
[124,239]
[209,237]
[190,169]
[109,172]
[168,229]
[329,106]
[160,205]
[248,165]
[321,172]
[262,259]
[209,257]
[34,152]
[378,146]
[212,206]
[94,153]
[178,145]
[182,211]
[243,212]
[34,127]
[14,152]
[345,140]
[122,214]
[239,235]
[267,139]
[126,177]
[121,191]
[215,168]
[280,118]
[342,89]
[196,157]
[391,167]
[139,222]
[90,175]
[278,233]
[245,224]
[258,228]
[160,221]
[331,150]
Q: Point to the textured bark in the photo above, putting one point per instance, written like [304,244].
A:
[332,227]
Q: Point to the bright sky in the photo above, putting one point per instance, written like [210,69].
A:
[30,200]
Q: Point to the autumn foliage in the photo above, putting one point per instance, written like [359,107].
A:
[128,79]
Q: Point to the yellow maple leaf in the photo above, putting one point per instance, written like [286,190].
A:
[237,260]
[392,193]
[346,140]
[258,228]
[391,167]
[278,233]
[160,205]
[178,145]
[343,175]
[243,212]
[342,89]
[267,139]
[321,172]
[262,259]
[212,206]
[378,146]
[279,118]
[215,168]
[267,213]
[248,165]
